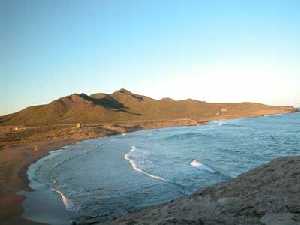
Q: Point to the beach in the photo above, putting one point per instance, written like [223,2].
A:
[14,163]
[17,154]
[15,158]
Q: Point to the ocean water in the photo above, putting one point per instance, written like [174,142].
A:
[108,177]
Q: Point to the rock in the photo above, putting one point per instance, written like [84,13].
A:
[279,219]
[268,195]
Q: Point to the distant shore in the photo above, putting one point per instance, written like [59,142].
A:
[22,146]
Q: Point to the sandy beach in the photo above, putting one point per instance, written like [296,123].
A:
[17,154]
[21,148]
[15,157]
[14,161]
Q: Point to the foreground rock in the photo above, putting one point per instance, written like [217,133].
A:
[268,195]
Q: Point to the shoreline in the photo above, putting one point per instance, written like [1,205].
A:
[267,195]
[15,199]
[27,153]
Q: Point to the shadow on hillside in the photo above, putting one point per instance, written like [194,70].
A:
[109,103]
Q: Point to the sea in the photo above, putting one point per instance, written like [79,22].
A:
[104,178]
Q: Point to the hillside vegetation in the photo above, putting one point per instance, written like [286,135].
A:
[125,106]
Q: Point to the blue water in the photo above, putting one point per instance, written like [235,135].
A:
[114,175]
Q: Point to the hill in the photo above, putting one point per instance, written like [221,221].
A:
[125,106]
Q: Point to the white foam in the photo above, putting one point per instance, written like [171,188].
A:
[136,168]
[123,134]
[200,165]
[220,122]
[69,205]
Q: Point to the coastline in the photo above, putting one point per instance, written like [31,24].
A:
[266,195]
[16,158]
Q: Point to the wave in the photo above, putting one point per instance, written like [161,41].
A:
[134,166]
[185,136]
[199,165]
[219,122]
[267,115]
[69,205]
[228,124]
[195,163]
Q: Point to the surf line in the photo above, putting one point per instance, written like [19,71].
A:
[136,168]
[69,205]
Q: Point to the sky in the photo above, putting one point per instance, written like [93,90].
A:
[217,51]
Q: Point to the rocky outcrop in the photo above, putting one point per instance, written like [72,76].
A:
[268,195]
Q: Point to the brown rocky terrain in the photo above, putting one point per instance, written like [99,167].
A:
[268,195]
[125,106]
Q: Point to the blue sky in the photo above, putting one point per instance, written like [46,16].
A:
[218,51]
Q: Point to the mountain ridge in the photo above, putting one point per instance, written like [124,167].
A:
[124,105]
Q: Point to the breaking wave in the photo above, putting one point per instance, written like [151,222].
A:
[68,203]
[229,123]
[199,165]
[128,157]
